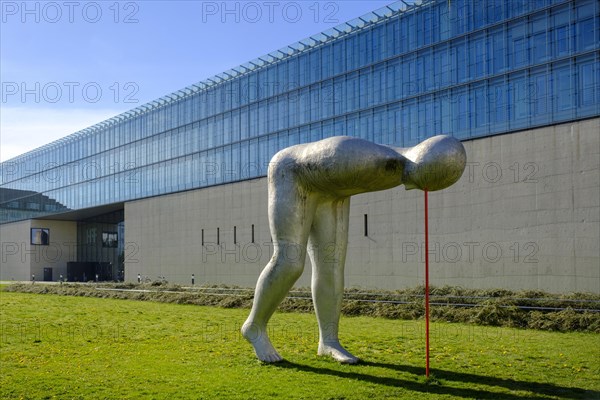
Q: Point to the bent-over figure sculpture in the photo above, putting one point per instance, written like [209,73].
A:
[309,201]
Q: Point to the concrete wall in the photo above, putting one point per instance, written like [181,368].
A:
[62,248]
[163,235]
[525,215]
[14,241]
[20,258]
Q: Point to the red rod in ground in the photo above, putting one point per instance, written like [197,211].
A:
[426,287]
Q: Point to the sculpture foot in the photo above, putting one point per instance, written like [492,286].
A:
[337,352]
[259,339]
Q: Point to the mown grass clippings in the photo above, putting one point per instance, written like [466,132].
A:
[574,312]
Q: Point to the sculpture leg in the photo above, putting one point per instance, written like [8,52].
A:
[290,216]
[327,249]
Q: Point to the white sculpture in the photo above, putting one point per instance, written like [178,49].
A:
[309,201]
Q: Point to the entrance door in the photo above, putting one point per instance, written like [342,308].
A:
[48,274]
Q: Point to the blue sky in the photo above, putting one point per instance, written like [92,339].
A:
[67,65]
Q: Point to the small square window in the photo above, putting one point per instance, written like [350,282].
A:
[109,239]
[40,236]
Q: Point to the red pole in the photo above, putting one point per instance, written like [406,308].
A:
[426,287]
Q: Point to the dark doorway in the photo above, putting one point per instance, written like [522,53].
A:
[100,241]
[48,274]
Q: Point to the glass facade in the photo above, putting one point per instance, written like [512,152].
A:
[395,76]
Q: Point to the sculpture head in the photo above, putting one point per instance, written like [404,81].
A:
[436,164]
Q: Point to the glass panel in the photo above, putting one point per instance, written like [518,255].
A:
[460,101]
[563,93]
[540,100]
[40,236]
[588,87]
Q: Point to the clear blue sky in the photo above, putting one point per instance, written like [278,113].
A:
[67,65]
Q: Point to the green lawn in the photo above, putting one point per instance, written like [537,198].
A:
[72,347]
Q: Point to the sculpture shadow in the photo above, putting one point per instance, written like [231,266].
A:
[538,388]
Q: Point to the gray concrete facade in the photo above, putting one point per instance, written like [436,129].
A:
[20,259]
[525,215]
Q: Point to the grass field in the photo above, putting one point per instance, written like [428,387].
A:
[87,348]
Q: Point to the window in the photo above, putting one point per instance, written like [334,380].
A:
[498,51]
[586,84]
[497,104]
[540,47]
[561,41]
[539,95]
[50,207]
[518,43]
[520,52]
[494,11]
[478,109]
[460,61]
[585,34]
[109,239]
[366,228]
[40,236]
[460,99]
[563,95]
[477,57]
[90,235]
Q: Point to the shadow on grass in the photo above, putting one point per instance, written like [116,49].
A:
[535,388]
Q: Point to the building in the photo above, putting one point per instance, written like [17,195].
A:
[176,187]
